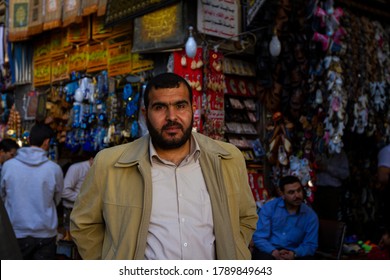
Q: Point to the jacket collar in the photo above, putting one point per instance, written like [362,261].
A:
[210,146]
[135,151]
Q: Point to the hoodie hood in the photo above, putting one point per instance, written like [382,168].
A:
[32,155]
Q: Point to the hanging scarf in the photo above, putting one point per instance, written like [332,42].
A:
[35,18]
[71,13]
[18,20]
[53,13]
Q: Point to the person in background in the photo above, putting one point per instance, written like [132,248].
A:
[9,248]
[383,176]
[8,148]
[333,169]
[31,188]
[287,229]
[74,178]
[171,194]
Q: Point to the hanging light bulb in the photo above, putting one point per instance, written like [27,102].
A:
[275,46]
[319,98]
[190,46]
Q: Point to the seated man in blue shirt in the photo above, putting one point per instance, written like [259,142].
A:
[287,228]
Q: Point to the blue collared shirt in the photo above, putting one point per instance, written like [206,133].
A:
[278,229]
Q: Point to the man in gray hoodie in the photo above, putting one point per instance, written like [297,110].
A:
[31,187]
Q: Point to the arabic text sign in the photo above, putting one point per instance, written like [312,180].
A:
[219,18]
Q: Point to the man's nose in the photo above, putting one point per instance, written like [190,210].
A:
[171,113]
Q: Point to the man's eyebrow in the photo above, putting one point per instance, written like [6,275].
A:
[167,104]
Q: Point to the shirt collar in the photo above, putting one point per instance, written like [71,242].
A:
[194,151]
[301,209]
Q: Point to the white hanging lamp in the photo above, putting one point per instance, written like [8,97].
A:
[190,46]
[274,46]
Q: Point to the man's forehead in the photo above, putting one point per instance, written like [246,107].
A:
[292,186]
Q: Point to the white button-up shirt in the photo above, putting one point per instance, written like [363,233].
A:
[181,223]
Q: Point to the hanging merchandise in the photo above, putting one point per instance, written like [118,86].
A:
[301,169]
[18,20]
[191,69]
[71,87]
[131,98]
[52,14]
[4,108]
[14,125]
[21,64]
[214,102]
[337,102]
[334,90]
[71,12]
[330,22]
[259,191]
[35,17]
[89,7]
[279,139]
[89,112]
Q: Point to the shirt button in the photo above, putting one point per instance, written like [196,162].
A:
[185,244]
[284,233]
[183,220]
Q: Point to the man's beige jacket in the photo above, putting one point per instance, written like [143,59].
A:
[111,215]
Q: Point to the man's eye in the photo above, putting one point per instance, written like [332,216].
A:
[181,106]
[158,107]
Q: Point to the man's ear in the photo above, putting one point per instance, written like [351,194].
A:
[143,109]
[46,144]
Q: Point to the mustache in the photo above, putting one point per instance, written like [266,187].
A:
[172,123]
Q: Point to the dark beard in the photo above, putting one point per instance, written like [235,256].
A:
[158,140]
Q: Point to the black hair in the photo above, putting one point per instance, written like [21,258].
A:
[8,144]
[88,154]
[288,180]
[39,133]
[165,80]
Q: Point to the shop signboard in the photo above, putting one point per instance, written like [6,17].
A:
[160,30]
[121,10]
[220,18]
